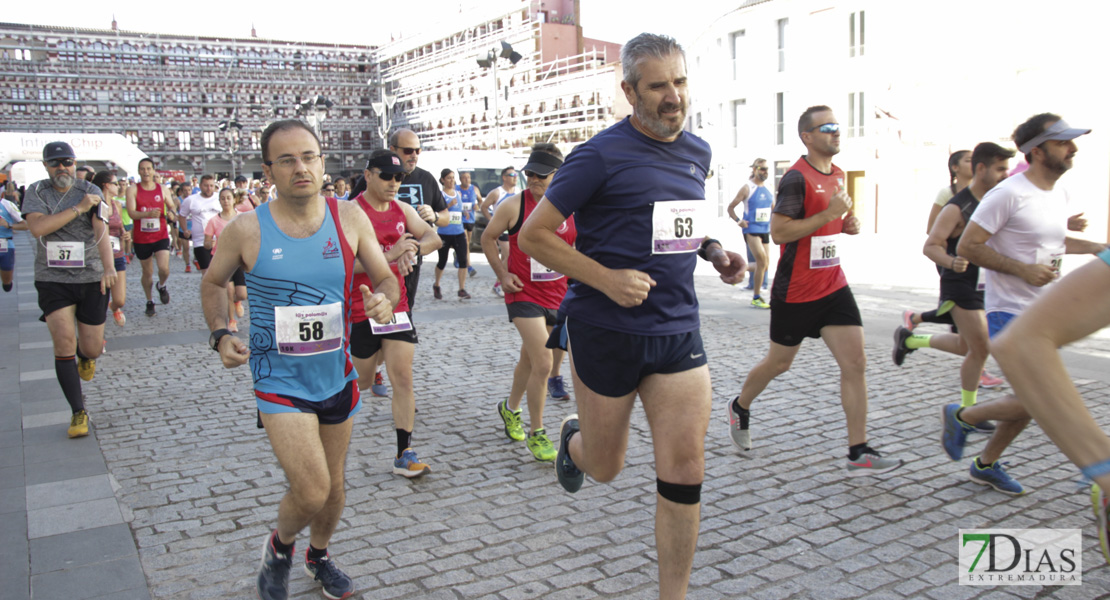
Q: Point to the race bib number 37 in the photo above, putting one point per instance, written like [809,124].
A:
[65,255]
[308,330]
[678,226]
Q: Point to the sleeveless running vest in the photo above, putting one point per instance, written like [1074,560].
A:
[389,226]
[455,211]
[300,318]
[541,285]
[758,214]
[148,230]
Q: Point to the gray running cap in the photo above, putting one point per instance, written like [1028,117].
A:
[1057,131]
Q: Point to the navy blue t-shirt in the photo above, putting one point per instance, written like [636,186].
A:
[611,184]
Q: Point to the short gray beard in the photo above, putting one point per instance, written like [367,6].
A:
[62,181]
[653,123]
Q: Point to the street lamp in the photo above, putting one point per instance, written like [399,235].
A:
[487,61]
[315,111]
[231,130]
[382,109]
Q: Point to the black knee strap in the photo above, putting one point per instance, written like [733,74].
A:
[677,493]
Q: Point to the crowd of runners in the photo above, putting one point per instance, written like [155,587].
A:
[595,257]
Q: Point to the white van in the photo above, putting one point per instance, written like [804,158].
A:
[484,165]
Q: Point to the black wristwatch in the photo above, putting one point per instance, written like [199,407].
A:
[214,339]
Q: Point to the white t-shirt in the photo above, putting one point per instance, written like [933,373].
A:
[200,210]
[502,194]
[1026,224]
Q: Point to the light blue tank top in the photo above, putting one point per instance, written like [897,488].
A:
[303,351]
[454,208]
[6,232]
[761,199]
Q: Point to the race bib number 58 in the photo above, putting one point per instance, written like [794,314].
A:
[678,226]
[308,330]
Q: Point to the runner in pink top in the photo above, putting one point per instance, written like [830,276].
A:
[237,287]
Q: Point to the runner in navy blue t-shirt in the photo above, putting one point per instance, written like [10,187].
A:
[637,193]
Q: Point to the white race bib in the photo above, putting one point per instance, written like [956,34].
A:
[468,206]
[1053,257]
[456,218]
[115,243]
[150,225]
[542,273]
[763,215]
[822,252]
[679,226]
[399,322]
[4,245]
[308,330]
[65,255]
[981,284]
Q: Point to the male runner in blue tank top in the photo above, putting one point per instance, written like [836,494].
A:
[756,224]
[298,252]
[637,193]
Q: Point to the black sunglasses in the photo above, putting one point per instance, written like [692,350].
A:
[61,162]
[536,175]
[398,177]
[409,151]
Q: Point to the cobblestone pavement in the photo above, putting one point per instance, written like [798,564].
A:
[199,486]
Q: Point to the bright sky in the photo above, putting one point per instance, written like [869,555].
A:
[602,19]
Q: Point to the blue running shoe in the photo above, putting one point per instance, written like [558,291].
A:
[409,465]
[955,431]
[472,271]
[996,477]
[570,477]
[336,583]
[378,387]
[555,388]
[273,575]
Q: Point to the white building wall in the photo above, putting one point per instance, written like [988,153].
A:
[936,77]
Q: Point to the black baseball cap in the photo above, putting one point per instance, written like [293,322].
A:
[542,163]
[386,163]
[55,150]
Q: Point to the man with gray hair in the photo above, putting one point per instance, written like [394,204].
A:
[74,269]
[637,193]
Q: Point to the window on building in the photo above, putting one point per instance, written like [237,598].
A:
[256,140]
[738,110]
[98,52]
[127,54]
[780,119]
[158,138]
[209,140]
[103,102]
[156,103]
[19,108]
[19,94]
[855,34]
[178,56]
[736,44]
[67,50]
[181,99]
[855,114]
[782,23]
[22,54]
[184,140]
[74,97]
[132,136]
[206,58]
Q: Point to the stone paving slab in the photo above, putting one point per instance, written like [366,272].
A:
[198,484]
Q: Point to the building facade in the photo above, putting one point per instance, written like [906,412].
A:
[562,87]
[169,94]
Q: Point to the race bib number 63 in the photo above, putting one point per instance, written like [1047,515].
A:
[679,226]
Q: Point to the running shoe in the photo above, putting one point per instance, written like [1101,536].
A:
[464,295]
[996,477]
[511,419]
[870,462]
[555,388]
[239,308]
[759,303]
[438,293]
[738,427]
[497,289]
[954,431]
[336,583]
[163,294]
[188,269]
[907,320]
[900,350]
[150,308]
[570,477]
[988,381]
[472,271]
[541,446]
[120,318]
[273,572]
[196,264]
[86,368]
[79,424]
[1100,505]
[409,465]
[378,388]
